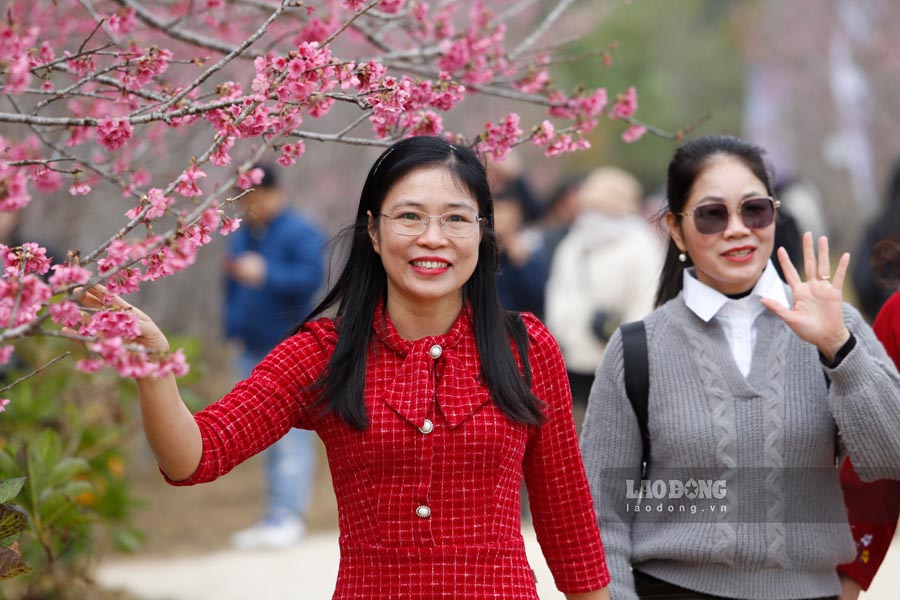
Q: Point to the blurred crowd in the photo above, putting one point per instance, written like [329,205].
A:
[587,257]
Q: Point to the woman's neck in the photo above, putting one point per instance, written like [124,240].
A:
[416,321]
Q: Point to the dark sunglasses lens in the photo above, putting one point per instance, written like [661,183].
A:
[711,218]
[757,213]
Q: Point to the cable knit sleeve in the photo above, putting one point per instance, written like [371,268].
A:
[611,446]
[865,400]
[558,490]
[263,407]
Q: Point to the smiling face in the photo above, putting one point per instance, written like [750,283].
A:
[730,261]
[425,271]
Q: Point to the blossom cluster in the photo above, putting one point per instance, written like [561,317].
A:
[100,89]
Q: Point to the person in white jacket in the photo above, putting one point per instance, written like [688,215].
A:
[604,273]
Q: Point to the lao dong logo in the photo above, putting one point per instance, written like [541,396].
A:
[691,489]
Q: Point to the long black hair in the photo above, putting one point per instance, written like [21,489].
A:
[686,165]
[363,284]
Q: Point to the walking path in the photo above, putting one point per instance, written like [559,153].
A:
[308,572]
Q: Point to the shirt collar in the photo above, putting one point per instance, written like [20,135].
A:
[706,302]
[387,333]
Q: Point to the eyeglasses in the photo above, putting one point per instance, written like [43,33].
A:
[756,213]
[456,223]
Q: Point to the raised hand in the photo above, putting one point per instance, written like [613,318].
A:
[817,313]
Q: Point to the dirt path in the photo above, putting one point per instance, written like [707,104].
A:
[188,520]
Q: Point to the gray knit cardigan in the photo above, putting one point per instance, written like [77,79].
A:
[742,498]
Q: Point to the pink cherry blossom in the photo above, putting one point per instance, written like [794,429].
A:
[79,188]
[4,402]
[633,133]
[106,98]
[187,182]
[65,313]
[229,225]
[18,76]
[45,180]
[66,275]
[13,188]
[117,324]
[124,282]
[21,299]
[122,22]
[113,133]
[625,105]
[89,365]
[27,258]
[498,139]
[5,354]
[250,178]
[543,134]
[158,203]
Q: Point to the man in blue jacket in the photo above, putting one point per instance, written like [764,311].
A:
[274,268]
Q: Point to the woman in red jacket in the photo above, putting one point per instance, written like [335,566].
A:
[433,402]
[874,508]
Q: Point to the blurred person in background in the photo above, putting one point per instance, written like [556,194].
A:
[871,292]
[273,269]
[523,263]
[748,382]
[559,214]
[874,508]
[507,178]
[603,273]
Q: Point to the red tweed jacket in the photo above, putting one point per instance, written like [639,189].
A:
[428,495]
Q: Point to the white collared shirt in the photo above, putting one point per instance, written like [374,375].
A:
[737,317]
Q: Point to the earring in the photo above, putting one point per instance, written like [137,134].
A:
[682,257]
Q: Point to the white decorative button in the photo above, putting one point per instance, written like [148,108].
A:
[427,426]
[423,512]
[436,351]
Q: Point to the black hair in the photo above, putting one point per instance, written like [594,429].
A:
[362,284]
[688,162]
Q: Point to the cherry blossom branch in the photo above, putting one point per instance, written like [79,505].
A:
[175,33]
[542,27]
[240,50]
[37,371]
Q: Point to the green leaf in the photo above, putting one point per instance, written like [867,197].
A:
[13,521]
[11,564]
[65,469]
[8,464]
[129,540]
[73,488]
[10,488]
[47,447]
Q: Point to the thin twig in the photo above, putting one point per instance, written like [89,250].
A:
[36,371]
[551,18]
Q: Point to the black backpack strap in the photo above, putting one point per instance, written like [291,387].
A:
[637,380]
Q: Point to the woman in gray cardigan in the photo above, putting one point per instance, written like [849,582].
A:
[750,381]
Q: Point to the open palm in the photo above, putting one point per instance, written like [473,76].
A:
[817,314]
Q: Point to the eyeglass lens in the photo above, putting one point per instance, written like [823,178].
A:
[756,213]
[455,223]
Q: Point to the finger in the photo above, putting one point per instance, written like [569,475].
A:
[110,299]
[791,276]
[87,297]
[809,257]
[823,271]
[841,271]
[779,309]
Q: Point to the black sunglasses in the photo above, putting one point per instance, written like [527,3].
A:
[756,213]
